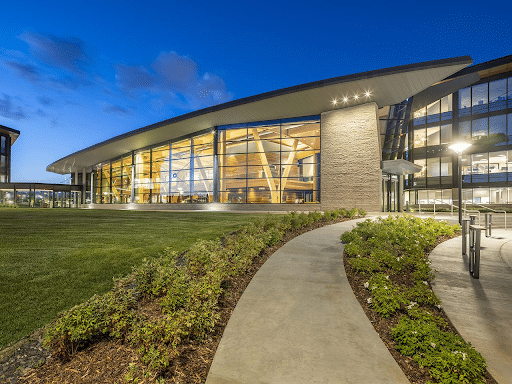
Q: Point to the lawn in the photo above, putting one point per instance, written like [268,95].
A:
[52,259]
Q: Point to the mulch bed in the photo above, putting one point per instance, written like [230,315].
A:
[110,361]
[411,369]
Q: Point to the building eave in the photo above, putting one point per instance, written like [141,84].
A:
[386,86]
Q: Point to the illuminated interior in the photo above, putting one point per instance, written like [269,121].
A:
[265,162]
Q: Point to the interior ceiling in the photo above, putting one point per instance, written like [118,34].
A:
[386,87]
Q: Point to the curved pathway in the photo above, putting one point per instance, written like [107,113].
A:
[480,309]
[298,321]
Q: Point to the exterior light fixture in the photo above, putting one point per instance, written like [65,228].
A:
[356,97]
[334,102]
[367,93]
[345,99]
[459,148]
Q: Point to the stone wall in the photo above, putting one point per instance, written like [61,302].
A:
[350,159]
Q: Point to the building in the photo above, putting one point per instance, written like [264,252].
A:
[30,194]
[375,140]
[7,138]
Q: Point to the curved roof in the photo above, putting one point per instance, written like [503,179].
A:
[386,86]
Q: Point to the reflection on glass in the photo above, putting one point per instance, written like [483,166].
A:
[433,136]
[420,137]
[465,102]
[498,95]
[479,128]
[479,98]
[433,111]
[446,134]
[420,116]
[446,107]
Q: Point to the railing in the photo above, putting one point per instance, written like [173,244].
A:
[493,210]
[466,211]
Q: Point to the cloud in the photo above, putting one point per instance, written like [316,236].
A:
[115,109]
[7,109]
[57,52]
[44,100]
[41,113]
[26,71]
[176,80]
[130,78]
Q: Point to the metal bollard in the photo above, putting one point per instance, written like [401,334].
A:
[475,236]
[488,224]
[465,228]
[472,219]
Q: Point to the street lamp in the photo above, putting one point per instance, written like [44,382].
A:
[459,148]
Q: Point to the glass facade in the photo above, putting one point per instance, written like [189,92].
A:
[480,114]
[261,162]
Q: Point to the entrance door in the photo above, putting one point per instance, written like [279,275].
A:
[389,193]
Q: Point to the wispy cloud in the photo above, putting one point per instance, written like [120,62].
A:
[174,78]
[58,52]
[115,109]
[44,100]
[26,71]
[10,111]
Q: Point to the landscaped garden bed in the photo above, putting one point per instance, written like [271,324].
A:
[387,265]
[163,322]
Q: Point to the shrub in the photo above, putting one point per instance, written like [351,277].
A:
[449,358]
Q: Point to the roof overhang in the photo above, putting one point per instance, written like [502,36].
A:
[438,91]
[11,132]
[399,167]
[386,87]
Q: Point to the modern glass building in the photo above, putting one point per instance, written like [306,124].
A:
[374,140]
[480,114]
[7,138]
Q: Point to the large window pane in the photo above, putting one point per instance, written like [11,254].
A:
[465,130]
[420,116]
[479,98]
[498,166]
[479,128]
[420,137]
[446,134]
[446,107]
[433,111]
[465,102]
[433,136]
[498,130]
[480,167]
[498,95]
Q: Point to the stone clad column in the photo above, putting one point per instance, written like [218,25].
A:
[351,175]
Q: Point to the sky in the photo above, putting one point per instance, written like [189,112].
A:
[75,73]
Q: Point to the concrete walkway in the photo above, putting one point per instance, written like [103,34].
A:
[481,310]
[298,321]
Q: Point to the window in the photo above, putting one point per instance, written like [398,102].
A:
[479,128]
[498,95]
[465,102]
[446,134]
[480,98]
[446,107]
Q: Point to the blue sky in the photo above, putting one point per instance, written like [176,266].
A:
[74,73]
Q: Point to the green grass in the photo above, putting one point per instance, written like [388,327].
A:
[52,259]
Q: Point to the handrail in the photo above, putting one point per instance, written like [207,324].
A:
[494,210]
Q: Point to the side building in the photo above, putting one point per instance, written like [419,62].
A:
[7,138]
[30,194]
[340,142]
[480,114]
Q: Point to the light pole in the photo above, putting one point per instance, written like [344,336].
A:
[459,148]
